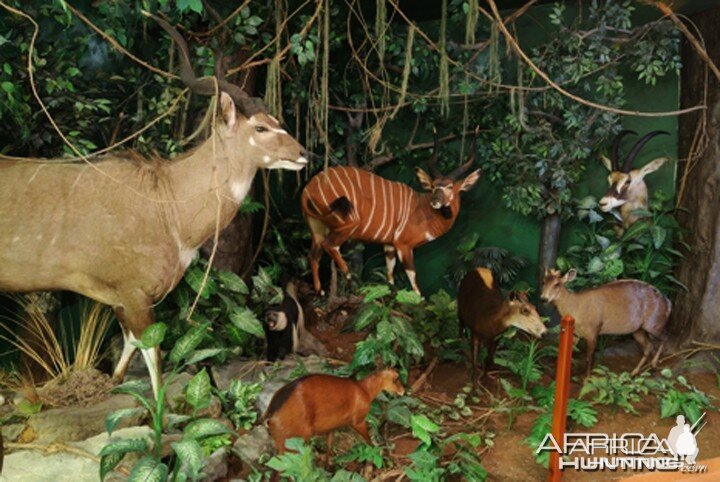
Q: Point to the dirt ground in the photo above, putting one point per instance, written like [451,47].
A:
[509,459]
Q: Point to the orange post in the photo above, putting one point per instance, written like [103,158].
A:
[562,393]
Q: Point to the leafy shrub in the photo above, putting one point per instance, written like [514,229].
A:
[579,412]
[222,304]
[645,251]
[238,403]
[200,435]
[470,255]
[617,390]
[678,397]
[298,464]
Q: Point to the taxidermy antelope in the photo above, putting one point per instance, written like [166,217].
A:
[343,203]
[124,231]
[483,310]
[617,308]
[627,187]
[318,404]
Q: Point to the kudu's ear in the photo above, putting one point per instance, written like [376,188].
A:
[470,180]
[424,178]
[651,166]
[569,276]
[607,163]
[227,107]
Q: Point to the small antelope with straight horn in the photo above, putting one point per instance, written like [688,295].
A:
[124,231]
[618,308]
[628,190]
[343,203]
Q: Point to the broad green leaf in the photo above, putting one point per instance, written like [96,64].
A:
[194,5]
[147,469]
[124,445]
[343,475]
[233,282]
[174,419]
[194,277]
[205,427]
[190,453]
[373,292]
[152,336]
[422,428]
[132,387]
[109,462]
[113,418]
[408,297]
[198,393]
[658,234]
[366,316]
[203,354]
[246,320]
[188,342]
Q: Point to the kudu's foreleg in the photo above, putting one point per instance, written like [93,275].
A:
[134,317]
[406,258]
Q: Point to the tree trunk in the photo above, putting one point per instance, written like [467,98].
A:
[695,312]
[235,245]
[549,243]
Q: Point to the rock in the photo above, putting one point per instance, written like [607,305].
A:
[11,432]
[253,370]
[70,424]
[175,393]
[63,466]
[216,467]
[252,445]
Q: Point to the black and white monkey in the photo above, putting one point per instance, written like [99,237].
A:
[285,331]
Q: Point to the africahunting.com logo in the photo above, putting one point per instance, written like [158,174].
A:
[629,451]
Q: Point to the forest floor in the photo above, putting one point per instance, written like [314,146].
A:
[509,458]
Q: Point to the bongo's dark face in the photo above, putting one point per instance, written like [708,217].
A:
[276,320]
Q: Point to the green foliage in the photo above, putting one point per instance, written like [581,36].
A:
[617,390]
[392,337]
[239,403]
[470,255]
[537,147]
[298,464]
[678,397]
[646,251]
[362,453]
[524,359]
[579,412]
[426,459]
[200,435]
[222,305]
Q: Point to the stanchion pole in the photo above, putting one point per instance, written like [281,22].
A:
[562,393]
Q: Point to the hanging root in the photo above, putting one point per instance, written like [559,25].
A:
[444,87]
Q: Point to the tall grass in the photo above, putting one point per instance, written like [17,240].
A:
[58,354]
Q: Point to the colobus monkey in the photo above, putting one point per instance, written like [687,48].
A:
[285,331]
